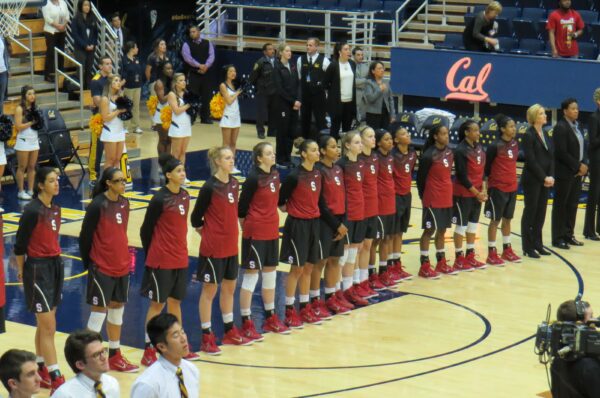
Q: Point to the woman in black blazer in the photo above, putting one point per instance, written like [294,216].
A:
[341,89]
[85,36]
[537,179]
[285,77]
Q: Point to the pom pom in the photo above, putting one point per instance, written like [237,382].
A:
[6,128]
[37,117]
[217,106]
[96,124]
[195,103]
[124,103]
[166,114]
[152,104]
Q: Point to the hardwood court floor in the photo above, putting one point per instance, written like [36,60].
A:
[462,336]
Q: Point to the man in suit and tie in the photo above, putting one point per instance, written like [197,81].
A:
[121,32]
[591,228]
[570,167]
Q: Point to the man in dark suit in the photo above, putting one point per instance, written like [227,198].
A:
[123,36]
[571,166]
[591,228]
[266,92]
[4,66]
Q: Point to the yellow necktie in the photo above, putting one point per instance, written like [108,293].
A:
[98,389]
[182,389]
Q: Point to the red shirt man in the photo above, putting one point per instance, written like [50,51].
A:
[564,27]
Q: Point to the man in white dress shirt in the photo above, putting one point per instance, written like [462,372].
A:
[19,373]
[89,360]
[170,376]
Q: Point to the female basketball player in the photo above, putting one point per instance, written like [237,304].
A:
[113,130]
[27,145]
[180,130]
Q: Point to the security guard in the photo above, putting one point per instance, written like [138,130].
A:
[262,78]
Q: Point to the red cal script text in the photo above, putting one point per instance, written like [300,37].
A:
[470,87]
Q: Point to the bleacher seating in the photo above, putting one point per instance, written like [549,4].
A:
[452,41]
[588,50]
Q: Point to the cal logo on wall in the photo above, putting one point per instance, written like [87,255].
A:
[470,86]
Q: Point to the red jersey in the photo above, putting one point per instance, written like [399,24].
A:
[501,165]
[216,211]
[164,230]
[334,190]
[353,182]
[404,164]
[563,23]
[300,193]
[258,205]
[386,201]
[370,183]
[434,178]
[469,163]
[39,226]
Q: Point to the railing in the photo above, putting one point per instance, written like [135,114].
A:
[210,13]
[425,5]
[79,83]
[23,46]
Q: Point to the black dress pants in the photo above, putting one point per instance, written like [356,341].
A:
[200,86]
[53,40]
[564,209]
[313,104]
[592,214]
[286,120]
[343,120]
[534,215]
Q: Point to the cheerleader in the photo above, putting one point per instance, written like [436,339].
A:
[469,194]
[230,122]
[260,240]
[42,272]
[215,218]
[113,130]
[501,172]
[299,197]
[332,231]
[105,254]
[27,145]
[434,183]
[162,87]
[180,130]
[164,239]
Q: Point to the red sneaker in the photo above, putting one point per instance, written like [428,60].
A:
[388,279]
[427,272]
[308,316]
[292,319]
[233,337]
[339,295]
[405,276]
[320,309]
[209,344]
[364,285]
[274,325]
[249,331]
[352,296]
[509,255]
[472,261]
[192,356]
[46,382]
[375,283]
[461,264]
[59,381]
[149,356]
[442,267]
[120,364]
[494,259]
[336,307]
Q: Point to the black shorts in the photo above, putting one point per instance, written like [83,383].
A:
[102,288]
[160,284]
[300,242]
[466,210]
[437,218]
[371,227]
[402,219]
[500,204]
[43,282]
[385,226]
[257,254]
[214,270]
[356,232]
[330,247]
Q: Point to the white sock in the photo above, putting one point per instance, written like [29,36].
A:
[303,298]
[206,325]
[383,263]
[364,274]
[329,290]
[395,255]
[440,250]
[146,338]
[115,345]
[506,240]
[424,252]
[458,248]
[470,246]
[290,300]
[227,318]
[245,311]
[492,243]
[53,367]
[357,276]
[347,282]
[39,359]
[314,293]
[338,286]
[270,306]
[371,266]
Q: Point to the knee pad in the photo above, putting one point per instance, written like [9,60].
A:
[115,315]
[342,260]
[249,281]
[460,230]
[96,321]
[472,227]
[269,280]
[352,252]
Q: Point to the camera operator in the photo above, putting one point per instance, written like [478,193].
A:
[579,378]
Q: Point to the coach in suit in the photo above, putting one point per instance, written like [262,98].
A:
[341,89]
[571,166]
[591,228]
[311,68]
[4,66]
[266,92]
[199,56]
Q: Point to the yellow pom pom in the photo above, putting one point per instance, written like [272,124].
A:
[165,117]
[13,139]
[96,124]
[152,104]
[217,106]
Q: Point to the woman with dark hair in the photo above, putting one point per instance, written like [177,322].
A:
[230,122]
[132,74]
[105,254]
[341,94]
[434,183]
[85,37]
[157,56]
[379,103]
[162,87]
[27,145]
[113,131]
[42,271]
[180,130]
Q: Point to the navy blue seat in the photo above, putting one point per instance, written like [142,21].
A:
[297,17]
[453,130]
[588,16]
[530,3]
[595,32]
[535,14]
[350,5]
[489,132]
[477,9]
[408,120]
[550,5]
[588,50]
[508,3]
[580,5]
[468,18]
[305,3]
[328,4]
[452,41]
[541,29]
[392,5]
[529,46]
[507,43]
[547,51]
[511,13]
[504,27]
[263,2]
[372,5]
[524,29]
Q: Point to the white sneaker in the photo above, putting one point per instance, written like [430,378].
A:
[30,193]
[236,171]
[138,131]
[23,195]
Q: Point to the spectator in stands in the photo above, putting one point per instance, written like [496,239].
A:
[199,55]
[121,31]
[570,167]
[360,79]
[85,38]
[311,71]
[380,109]
[96,87]
[56,18]
[266,92]
[4,70]
[341,89]
[27,146]
[133,71]
[478,34]
[18,372]
[537,179]
[591,228]
[157,56]
[564,26]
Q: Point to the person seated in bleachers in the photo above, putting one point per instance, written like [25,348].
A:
[480,31]
[564,27]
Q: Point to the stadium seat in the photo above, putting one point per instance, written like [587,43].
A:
[507,43]
[454,128]
[504,27]
[541,29]
[350,5]
[383,31]
[550,5]
[468,18]
[535,14]
[392,5]
[581,5]
[263,2]
[328,4]
[588,16]
[408,120]
[372,5]
[588,50]
[530,3]
[452,41]
[595,32]
[529,46]
[477,9]
[432,121]
[596,5]
[511,13]
[524,29]
[508,3]
[489,132]
[546,52]
[305,3]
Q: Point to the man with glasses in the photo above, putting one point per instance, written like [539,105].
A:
[89,360]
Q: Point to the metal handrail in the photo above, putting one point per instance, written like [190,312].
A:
[79,84]
[23,46]
[425,5]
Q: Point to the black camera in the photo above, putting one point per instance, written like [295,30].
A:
[567,340]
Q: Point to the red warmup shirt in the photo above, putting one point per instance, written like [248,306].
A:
[469,163]
[164,230]
[404,164]
[501,165]
[300,193]
[561,23]
[333,188]
[216,210]
[434,179]
[370,183]
[258,205]
[353,182]
[386,201]
[37,235]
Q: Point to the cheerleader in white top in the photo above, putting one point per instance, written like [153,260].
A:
[181,123]
[162,86]
[231,121]
[113,130]
[27,146]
